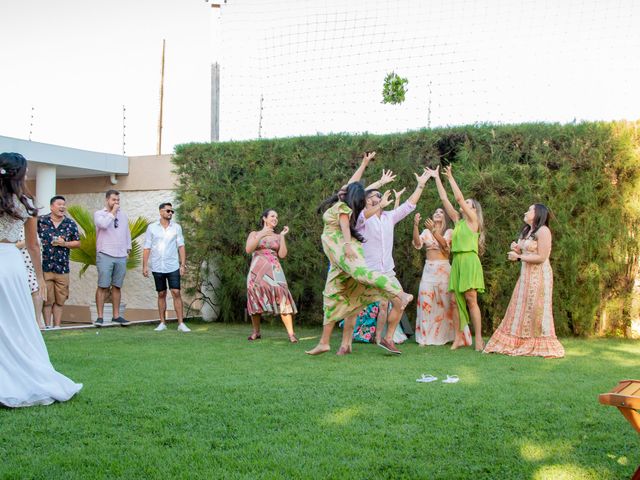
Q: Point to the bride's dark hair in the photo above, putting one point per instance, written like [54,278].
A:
[13,171]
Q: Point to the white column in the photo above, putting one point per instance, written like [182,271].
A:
[45,186]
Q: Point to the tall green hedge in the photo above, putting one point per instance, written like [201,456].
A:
[588,174]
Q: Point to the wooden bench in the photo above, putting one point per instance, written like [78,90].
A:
[626,396]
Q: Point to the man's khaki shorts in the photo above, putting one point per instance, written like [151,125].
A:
[57,288]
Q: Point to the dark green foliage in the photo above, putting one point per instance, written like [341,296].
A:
[588,174]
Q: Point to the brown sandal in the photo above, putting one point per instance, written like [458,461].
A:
[254,336]
[293,338]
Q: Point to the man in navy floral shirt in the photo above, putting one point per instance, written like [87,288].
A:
[58,234]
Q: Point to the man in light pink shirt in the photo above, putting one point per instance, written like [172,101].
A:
[113,244]
[377,226]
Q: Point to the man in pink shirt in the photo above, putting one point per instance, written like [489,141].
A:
[377,226]
[113,244]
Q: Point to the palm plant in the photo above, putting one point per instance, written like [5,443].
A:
[86,253]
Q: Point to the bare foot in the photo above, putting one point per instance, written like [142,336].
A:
[318,349]
[458,342]
[405,299]
[479,345]
[344,350]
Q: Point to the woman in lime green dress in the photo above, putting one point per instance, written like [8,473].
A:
[351,285]
[466,279]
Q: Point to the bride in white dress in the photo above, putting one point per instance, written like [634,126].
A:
[26,375]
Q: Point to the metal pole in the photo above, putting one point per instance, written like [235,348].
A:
[161,102]
[216,42]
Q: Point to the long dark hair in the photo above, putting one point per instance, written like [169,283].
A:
[356,199]
[263,216]
[540,219]
[13,170]
[354,196]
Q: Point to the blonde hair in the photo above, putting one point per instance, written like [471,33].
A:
[480,217]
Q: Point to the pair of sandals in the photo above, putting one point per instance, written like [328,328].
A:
[258,336]
[430,378]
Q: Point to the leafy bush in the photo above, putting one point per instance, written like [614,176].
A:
[588,174]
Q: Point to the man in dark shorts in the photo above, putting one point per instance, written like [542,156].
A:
[165,255]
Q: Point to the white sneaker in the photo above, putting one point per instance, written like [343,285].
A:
[160,328]
[183,328]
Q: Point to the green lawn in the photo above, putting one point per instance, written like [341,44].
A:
[209,404]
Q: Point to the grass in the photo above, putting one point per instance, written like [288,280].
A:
[209,404]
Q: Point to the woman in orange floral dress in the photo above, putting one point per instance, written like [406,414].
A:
[267,289]
[527,328]
[434,321]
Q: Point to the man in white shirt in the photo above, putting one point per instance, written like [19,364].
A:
[377,227]
[164,252]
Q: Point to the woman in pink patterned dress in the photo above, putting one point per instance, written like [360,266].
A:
[267,289]
[434,321]
[527,328]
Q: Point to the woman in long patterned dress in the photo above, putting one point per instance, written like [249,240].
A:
[26,375]
[267,289]
[466,279]
[351,285]
[435,310]
[527,328]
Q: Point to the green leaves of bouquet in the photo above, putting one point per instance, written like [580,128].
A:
[394,89]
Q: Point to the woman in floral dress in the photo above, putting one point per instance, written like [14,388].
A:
[267,289]
[435,310]
[351,285]
[527,328]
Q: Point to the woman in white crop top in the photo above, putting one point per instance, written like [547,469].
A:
[434,321]
[26,375]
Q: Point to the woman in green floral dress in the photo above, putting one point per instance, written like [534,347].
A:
[351,285]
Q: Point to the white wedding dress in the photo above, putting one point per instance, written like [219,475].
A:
[26,375]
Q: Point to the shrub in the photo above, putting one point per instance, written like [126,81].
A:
[588,174]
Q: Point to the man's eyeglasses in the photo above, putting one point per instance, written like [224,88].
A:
[170,211]
[115,223]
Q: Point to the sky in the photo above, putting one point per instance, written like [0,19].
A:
[300,67]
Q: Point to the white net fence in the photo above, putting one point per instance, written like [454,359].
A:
[307,66]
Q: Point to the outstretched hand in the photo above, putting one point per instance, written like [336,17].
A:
[447,171]
[387,177]
[385,201]
[422,179]
[368,156]
[433,172]
[430,225]
[416,219]
[398,193]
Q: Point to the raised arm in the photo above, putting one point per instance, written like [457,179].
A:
[416,240]
[422,181]
[457,193]
[366,158]
[442,193]
[384,202]
[282,251]
[398,194]
[442,241]
[387,177]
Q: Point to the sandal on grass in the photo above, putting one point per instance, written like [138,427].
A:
[451,379]
[426,378]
